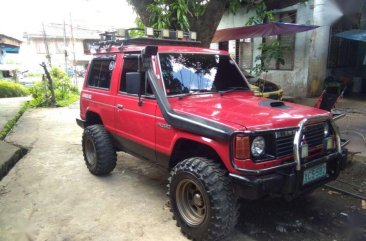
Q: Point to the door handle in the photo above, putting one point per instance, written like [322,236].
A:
[119,106]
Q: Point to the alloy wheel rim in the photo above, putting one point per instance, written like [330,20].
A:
[191,202]
[90,152]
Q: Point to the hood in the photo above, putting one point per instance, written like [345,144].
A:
[244,109]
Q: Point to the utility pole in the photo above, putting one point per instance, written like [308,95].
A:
[73,50]
[48,56]
[65,46]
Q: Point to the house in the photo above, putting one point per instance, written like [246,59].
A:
[58,46]
[312,55]
[8,46]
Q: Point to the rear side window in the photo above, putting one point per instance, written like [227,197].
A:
[101,73]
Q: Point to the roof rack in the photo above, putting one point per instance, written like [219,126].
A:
[147,36]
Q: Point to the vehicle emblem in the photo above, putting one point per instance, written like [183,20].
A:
[86,96]
[165,126]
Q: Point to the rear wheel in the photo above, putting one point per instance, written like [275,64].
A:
[99,153]
[202,199]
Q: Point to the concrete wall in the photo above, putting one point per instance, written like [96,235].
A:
[326,12]
[311,48]
[295,82]
[230,20]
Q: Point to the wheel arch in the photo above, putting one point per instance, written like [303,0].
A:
[186,148]
[92,118]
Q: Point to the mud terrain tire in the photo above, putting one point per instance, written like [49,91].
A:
[98,150]
[202,199]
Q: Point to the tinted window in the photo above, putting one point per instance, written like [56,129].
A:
[184,73]
[130,64]
[101,73]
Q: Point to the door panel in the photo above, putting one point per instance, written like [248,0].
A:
[135,123]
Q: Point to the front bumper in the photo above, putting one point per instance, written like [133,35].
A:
[287,181]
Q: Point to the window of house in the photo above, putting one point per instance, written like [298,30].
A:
[286,40]
[88,45]
[59,47]
[131,64]
[246,53]
[101,73]
[40,47]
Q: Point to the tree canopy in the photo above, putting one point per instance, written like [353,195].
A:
[202,16]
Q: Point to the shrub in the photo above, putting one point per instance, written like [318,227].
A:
[11,89]
[65,92]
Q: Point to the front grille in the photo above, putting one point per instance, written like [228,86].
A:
[284,142]
[313,135]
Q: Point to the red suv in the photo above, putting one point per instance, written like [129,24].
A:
[191,110]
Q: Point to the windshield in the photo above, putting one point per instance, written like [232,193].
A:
[192,72]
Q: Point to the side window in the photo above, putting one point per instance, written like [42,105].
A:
[131,65]
[101,73]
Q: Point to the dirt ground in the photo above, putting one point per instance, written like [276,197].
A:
[50,195]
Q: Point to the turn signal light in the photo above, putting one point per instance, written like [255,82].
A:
[242,150]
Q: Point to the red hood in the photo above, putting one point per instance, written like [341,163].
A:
[244,109]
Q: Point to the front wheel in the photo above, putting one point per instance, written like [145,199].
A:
[202,199]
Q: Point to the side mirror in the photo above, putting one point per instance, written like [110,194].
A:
[133,83]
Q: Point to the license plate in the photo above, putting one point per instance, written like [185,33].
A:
[314,173]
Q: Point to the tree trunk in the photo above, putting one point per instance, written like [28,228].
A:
[140,8]
[206,25]
[50,82]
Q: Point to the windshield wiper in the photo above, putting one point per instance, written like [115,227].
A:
[222,92]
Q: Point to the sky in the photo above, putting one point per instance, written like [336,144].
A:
[19,16]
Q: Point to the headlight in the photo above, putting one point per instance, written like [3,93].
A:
[258,146]
[326,129]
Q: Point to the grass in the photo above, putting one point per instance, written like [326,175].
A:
[67,101]
[11,89]
[11,123]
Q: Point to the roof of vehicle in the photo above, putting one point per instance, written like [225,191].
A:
[164,45]
[162,48]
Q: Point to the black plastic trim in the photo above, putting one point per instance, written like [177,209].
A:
[287,183]
[188,123]
[80,123]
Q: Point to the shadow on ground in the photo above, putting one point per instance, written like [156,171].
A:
[322,215]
